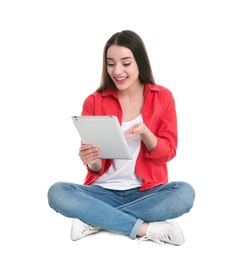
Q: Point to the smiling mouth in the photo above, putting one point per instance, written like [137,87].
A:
[120,79]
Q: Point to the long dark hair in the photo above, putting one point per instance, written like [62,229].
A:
[132,41]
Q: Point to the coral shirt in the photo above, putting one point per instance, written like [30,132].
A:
[159,115]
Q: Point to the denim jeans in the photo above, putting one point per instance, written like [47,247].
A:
[123,211]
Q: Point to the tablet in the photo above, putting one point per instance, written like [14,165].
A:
[104,132]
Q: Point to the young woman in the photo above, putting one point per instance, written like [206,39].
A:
[130,197]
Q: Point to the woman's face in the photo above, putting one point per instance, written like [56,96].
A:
[122,67]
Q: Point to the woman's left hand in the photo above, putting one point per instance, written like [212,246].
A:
[137,129]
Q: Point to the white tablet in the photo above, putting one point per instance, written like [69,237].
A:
[104,132]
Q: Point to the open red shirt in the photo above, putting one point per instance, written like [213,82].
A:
[159,115]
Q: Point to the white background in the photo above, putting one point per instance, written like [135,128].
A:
[50,60]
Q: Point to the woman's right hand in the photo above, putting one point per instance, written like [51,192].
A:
[89,154]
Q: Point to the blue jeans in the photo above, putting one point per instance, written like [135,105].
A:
[123,211]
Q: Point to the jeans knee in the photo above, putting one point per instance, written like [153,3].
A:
[188,194]
[53,192]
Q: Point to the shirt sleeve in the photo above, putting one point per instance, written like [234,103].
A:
[88,106]
[166,131]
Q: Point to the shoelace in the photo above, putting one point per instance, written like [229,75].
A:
[158,235]
[89,228]
[156,240]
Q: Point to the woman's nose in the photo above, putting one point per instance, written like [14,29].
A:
[118,69]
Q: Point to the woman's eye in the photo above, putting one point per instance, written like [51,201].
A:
[126,64]
[110,64]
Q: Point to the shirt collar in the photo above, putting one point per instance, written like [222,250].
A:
[109,91]
[150,87]
[112,91]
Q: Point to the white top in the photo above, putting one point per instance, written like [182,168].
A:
[121,175]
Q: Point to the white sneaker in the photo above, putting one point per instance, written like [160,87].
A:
[80,229]
[164,231]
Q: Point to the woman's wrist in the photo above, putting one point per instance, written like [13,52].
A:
[95,166]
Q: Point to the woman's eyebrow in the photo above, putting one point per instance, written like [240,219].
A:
[125,58]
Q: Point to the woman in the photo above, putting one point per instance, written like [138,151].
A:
[130,197]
